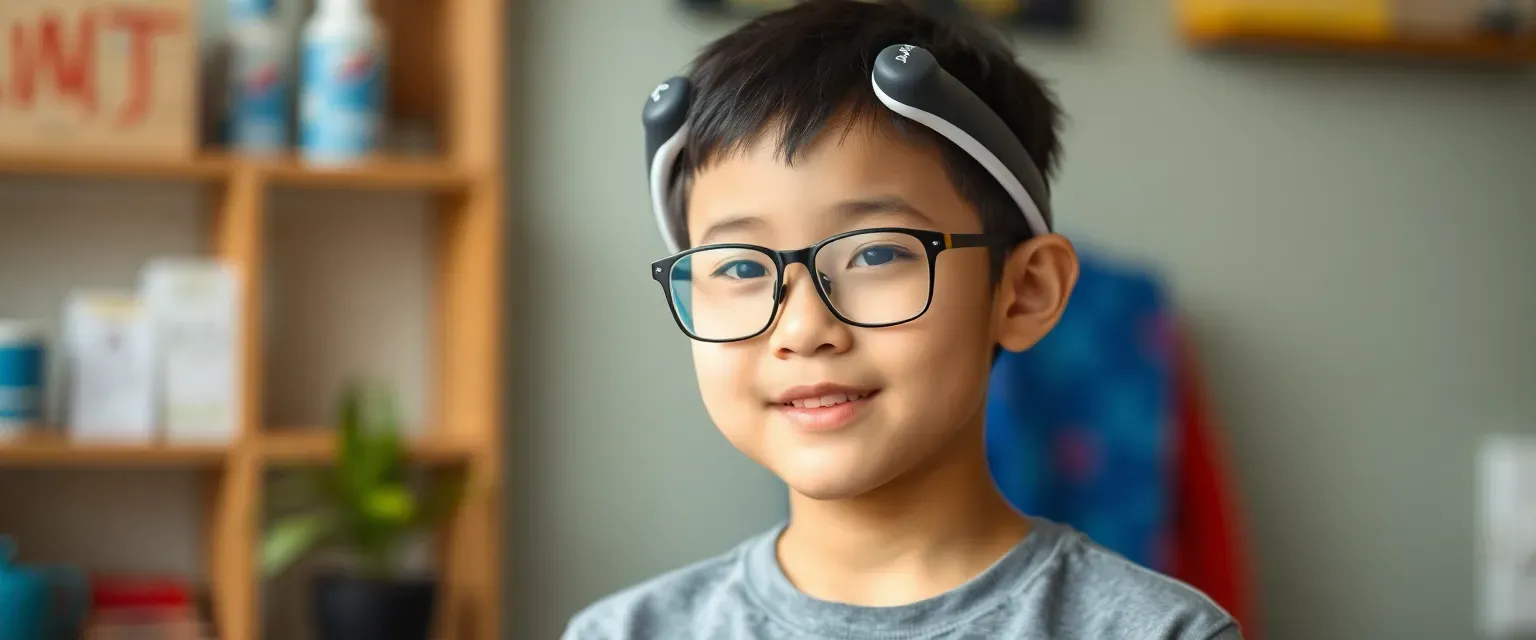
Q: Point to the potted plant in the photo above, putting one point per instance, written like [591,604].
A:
[364,507]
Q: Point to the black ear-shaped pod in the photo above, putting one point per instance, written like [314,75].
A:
[909,81]
[666,126]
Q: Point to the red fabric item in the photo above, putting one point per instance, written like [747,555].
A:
[139,593]
[1210,548]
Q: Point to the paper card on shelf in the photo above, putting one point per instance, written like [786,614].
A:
[108,347]
[195,307]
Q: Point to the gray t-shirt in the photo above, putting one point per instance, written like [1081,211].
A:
[1055,584]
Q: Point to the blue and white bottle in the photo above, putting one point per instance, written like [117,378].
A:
[342,99]
[259,80]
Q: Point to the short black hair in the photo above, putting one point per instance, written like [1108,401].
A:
[795,72]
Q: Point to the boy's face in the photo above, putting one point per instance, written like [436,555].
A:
[898,395]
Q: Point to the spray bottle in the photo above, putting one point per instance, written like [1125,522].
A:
[342,98]
[259,79]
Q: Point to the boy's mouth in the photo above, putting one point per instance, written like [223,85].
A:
[828,400]
[823,407]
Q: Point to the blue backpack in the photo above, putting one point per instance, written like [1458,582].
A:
[1079,427]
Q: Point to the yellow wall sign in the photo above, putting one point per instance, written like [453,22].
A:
[1347,18]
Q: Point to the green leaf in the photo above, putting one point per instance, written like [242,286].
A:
[391,504]
[292,537]
[371,451]
[349,422]
[384,431]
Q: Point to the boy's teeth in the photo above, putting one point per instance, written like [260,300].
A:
[828,400]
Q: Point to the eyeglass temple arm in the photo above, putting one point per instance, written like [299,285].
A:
[966,240]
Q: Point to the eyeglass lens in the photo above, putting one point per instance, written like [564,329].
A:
[870,279]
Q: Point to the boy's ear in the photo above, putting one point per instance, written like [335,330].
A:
[1037,280]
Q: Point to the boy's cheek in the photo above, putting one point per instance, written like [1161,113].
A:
[720,367]
[725,384]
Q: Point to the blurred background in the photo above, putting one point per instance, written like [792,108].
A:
[1322,209]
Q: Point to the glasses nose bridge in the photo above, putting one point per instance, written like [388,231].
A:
[791,258]
[797,256]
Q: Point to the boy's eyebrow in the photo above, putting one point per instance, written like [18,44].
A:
[738,223]
[849,210]
[887,203]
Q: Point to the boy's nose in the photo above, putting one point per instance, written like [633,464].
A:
[805,325]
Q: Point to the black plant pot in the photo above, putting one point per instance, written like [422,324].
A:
[353,608]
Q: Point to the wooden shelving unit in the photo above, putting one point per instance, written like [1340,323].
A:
[467,68]
[382,173]
[313,446]
[211,169]
[385,174]
[52,451]
[286,447]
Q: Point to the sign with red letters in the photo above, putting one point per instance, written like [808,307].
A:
[99,77]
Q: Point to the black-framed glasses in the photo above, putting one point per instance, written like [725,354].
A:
[867,278]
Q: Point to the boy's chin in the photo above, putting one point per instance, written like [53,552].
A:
[828,485]
[843,470]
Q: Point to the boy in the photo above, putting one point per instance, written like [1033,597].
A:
[863,386]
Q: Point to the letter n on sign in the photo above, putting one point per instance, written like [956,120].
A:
[99,77]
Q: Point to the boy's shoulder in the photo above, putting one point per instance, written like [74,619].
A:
[1111,596]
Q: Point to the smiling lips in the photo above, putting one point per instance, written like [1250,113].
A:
[823,407]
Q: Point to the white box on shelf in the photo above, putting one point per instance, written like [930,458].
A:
[195,307]
[109,355]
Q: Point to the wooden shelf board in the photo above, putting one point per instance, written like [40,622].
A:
[58,451]
[310,446]
[1471,47]
[383,173]
[203,168]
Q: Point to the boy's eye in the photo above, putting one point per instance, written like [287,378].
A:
[740,269]
[876,256]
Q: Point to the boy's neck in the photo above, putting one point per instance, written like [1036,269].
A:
[918,536]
